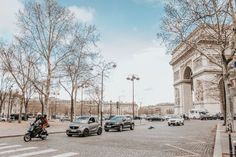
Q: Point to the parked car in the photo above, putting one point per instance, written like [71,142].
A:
[155,118]
[16,116]
[3,119]
[208,117]
[119,123]
[65,118]
[84,125]
[175,120]
[137,118]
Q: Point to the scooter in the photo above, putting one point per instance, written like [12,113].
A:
[35,131]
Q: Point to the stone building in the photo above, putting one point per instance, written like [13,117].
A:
[196,79]
[62,107]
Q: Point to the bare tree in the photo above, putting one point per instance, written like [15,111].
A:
[76,68]
[5,84]
[210,22]
[45,28]
[19,65]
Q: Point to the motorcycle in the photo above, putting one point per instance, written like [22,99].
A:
[35,131]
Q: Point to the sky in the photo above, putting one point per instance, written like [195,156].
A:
[127,31]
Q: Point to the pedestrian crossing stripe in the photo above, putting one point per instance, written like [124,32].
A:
[17,150]
[35,153]
[11,146]
[66,154]
[30,151]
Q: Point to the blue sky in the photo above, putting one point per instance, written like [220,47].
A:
[128,37]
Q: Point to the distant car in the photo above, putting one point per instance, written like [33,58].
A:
[209,117]
[119,123]
[3,119]
[84,125]
[137,118]
[65,118]
[175,120]
[155,118]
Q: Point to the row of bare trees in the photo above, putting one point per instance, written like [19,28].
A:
[216,20]
[51,47]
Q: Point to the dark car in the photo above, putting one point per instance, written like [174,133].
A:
[16,117]
[84,125]
[155,118]
[208,117]
[119,123]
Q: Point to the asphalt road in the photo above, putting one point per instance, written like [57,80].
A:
[195,139]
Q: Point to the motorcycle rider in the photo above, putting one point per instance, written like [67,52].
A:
[42,122]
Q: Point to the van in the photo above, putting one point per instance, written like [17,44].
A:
[197,113]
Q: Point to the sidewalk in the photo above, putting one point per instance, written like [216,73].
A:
[15,129]
[221,148]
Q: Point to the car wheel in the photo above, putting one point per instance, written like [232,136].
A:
[183,123]
[99,131]
[120,128]
[69,135]
[106,130]
[168,124]
[86,132]
[132,127]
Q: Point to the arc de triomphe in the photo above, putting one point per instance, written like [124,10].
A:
[196,79]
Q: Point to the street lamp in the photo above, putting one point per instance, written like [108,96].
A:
[103,68]
[133,78]
[82,93]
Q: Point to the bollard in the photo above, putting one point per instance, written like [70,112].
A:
[234,144]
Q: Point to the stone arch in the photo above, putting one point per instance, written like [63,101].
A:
[188,73]
[187,89]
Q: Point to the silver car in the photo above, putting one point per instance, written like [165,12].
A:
[84,126]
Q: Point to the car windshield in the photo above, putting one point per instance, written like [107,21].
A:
[82,120]
[117,118]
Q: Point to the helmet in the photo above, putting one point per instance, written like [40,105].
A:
[39,114]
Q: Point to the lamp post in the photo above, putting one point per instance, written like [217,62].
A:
[103,67]
[82,94]
[133,78]
[110,107]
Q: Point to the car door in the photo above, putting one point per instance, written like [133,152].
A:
[92,125]
[127,122]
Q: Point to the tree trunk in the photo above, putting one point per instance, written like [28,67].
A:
[72,109]
[229,107]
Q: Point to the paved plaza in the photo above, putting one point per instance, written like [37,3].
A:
[195,138]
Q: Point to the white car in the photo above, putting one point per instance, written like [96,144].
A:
[3,119]
[175,120]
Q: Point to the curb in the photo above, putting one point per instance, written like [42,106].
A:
[217,147]
[19,135]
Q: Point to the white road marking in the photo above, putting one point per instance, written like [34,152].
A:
[193,153]
[35,153]
[12,146]
[66,154]
[17,150]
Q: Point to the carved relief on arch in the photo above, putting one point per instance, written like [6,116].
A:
[199,91]
[177,97]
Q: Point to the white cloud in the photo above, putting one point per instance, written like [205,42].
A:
[148,60]
[8,10]
[85,15]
